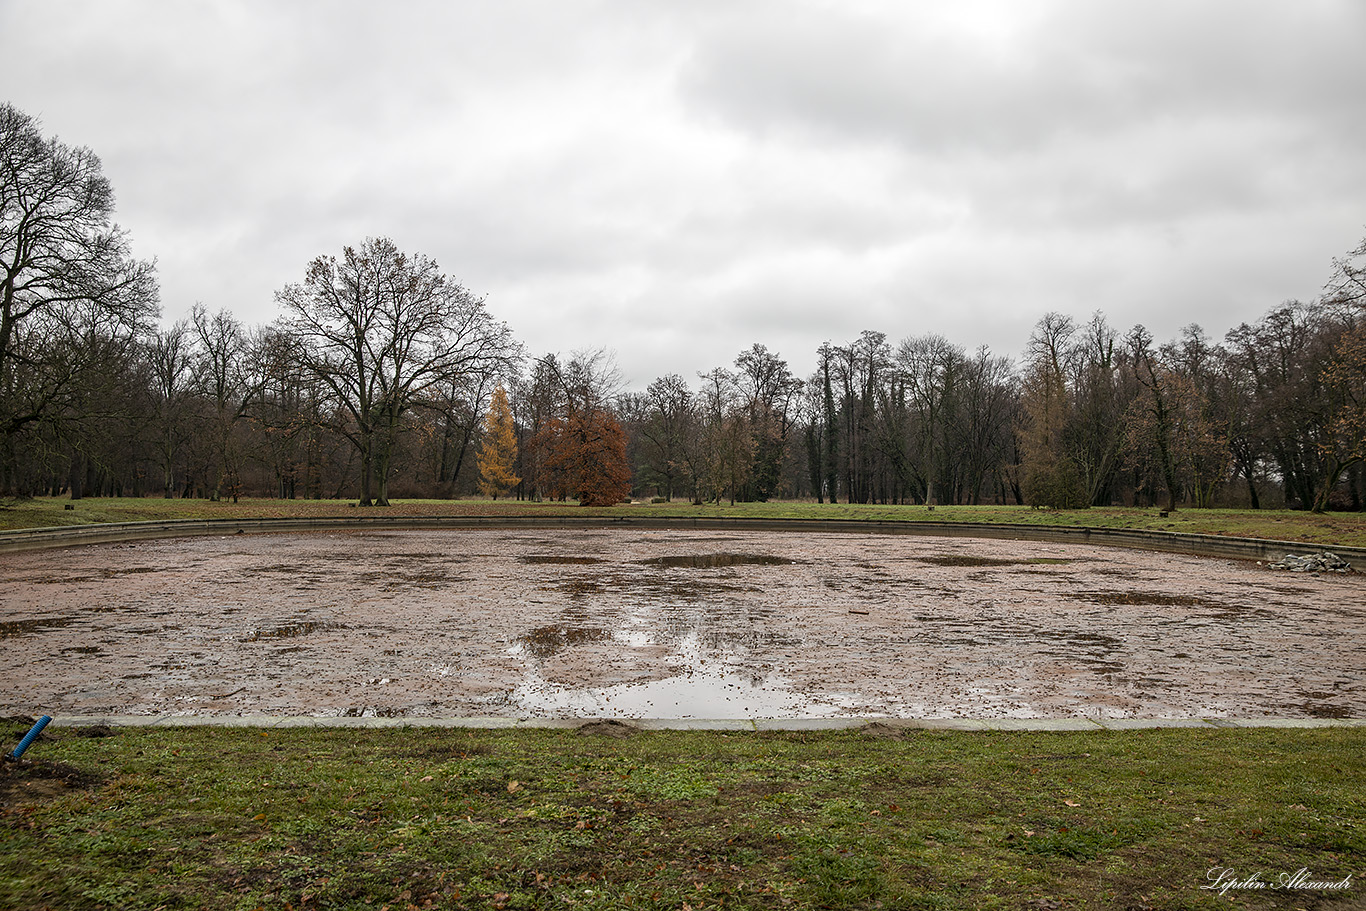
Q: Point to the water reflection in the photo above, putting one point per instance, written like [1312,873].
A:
[704,686]
[545,641]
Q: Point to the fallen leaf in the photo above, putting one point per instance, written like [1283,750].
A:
[513,786]
[425,778]
[1071,803]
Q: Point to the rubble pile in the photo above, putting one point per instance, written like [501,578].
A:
[1313,563]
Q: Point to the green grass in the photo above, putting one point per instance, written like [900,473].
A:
[440,818]
[1343,529]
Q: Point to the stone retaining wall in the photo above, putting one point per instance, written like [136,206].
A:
[1170,542]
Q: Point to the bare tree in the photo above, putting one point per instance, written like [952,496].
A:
[174,384]
[930,367]
[768,389]
[1283,358]
[1348,283]
[982,433]
[1098,394]
[667,425]
[1049,477]
[382,330]
[1343,444]
[727,444]
[229,385]
[860,367]
[67,278]
[1156,406]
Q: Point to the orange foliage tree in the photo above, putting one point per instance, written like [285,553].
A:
[586,457]
[497,455]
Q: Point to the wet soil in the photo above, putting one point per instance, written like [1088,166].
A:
[621,623]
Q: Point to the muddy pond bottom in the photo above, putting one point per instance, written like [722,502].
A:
[668,624]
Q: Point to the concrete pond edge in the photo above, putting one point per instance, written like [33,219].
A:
[633,725]
[1256,549]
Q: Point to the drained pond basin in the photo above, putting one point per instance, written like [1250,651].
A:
[670,624]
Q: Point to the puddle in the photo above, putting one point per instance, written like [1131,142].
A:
[672,590]
[713,561]
[705,687]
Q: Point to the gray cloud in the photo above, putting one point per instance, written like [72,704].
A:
[679,182]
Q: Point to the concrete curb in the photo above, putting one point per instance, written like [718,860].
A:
[285,722]
[1168,542]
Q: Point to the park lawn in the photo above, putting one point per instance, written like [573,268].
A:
[237,818]
[1341,529]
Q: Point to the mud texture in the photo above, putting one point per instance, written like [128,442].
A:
[669,624]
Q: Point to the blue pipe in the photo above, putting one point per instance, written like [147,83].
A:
[31,736]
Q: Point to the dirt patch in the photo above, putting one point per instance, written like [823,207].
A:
[880,730]
[608,727]
[93,730]
[287,630]
[616,623]
[964,560]
[32,780]
[14,628]
[1140,597]
[714,561]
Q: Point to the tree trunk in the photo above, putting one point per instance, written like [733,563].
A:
[381,460]
[7,465]
[381,467]
[1253,500]
[1330,481]
[367,472]
[76,477]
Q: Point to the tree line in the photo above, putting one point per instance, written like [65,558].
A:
[385,377]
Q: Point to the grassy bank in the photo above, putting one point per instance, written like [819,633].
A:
[429,818]
[1281,525]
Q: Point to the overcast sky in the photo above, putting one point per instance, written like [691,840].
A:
[677,181]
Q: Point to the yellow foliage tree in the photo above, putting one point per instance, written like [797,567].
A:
[498,450]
